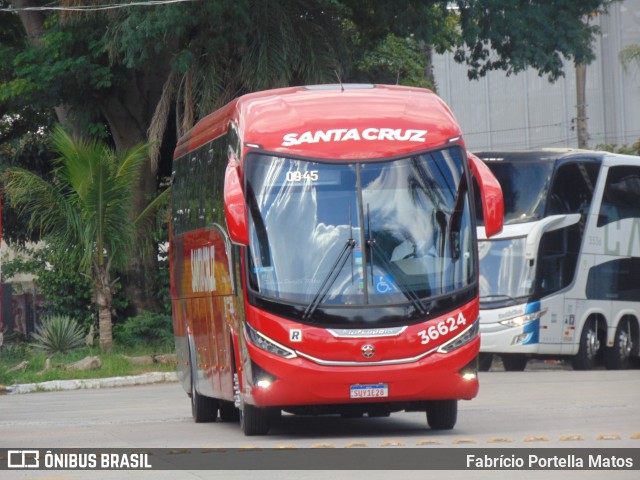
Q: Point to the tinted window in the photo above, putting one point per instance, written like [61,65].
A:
[621,197]
[572,189]
[615,280]
[198,188]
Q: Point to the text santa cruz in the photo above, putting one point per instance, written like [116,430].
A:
[344,134]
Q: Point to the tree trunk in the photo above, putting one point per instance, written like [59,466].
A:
[103,299]
[129,114]
[427,51]
[581,108]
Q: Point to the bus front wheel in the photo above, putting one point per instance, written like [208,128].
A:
[514,363]
[254,420]
[484,362]
[442,414]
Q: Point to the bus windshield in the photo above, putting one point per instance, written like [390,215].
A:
[505,273]
[525,186]
[361,233]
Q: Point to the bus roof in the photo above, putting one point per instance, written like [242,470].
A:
[333,121]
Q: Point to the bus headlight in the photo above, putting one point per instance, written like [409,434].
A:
[462,339]
[265,343]
[521,320]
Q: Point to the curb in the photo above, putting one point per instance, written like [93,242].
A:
[90,383]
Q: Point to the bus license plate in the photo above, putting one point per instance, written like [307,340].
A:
[380,390]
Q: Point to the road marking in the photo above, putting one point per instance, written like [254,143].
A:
[464,440]
[571,438]
[500,440]
[536,438]
[179,451]
[427,442]
[323,445]
[609,436]
[357,445]
[392,443]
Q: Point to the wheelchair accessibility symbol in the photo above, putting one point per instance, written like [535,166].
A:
[384,284]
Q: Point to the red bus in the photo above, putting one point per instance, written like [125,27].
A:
[323,256]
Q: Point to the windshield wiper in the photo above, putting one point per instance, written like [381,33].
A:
[497,297]
[503,299]
[330,278]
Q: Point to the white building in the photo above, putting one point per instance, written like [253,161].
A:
[526,111]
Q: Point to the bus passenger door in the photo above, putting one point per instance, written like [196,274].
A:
[551,323]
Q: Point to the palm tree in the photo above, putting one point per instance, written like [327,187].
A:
[85,212]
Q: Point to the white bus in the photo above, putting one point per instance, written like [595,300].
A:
[562,280]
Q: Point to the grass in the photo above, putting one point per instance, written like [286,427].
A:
[113,364]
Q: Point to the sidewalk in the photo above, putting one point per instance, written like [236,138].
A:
[53,385]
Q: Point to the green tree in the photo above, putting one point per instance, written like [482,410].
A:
[512,35]
[629,56]
[132,68]
[143,73]
[85,212]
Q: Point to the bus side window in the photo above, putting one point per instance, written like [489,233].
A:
[559,256]
[572,189]
[621,197]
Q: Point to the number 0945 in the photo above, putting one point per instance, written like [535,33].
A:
[309,175]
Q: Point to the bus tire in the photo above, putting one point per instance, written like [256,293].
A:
[588,349]
[254,420]
[442,414]
[514,363]
[618,357]
[228,412]
[484,362]
[203,408]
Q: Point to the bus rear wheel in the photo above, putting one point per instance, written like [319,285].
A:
[203,408]
[619,356]
[442,414]
[588,349]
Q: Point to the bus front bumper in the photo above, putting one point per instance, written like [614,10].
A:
[299,381]
[497,338]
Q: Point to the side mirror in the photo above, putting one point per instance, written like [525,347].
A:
[491,195]
[235,210]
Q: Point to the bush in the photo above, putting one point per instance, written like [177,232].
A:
[58,334]
[147,329]
[65,291]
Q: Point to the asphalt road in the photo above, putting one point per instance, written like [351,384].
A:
[554,409]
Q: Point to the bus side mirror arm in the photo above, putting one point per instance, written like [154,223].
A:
[235,210]
[491,194]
